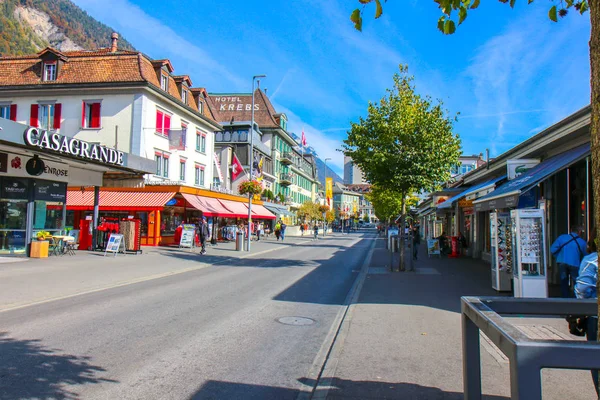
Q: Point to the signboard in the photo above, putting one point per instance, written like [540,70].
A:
[187,236]
[439,199]
[50,191]
[14,189]
[115,241]
[465,203]
[17,165]
[218,167]
[516,168]
[329,190]
[234,103]
[433,247]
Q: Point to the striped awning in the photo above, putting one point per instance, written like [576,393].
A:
[210,207]
[261,212]
[118,200]
[237,209]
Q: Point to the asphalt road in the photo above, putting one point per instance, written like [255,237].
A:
[207,334]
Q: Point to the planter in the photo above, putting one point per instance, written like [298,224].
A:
[39,249]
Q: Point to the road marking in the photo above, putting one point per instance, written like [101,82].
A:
[138,280]
[322,370]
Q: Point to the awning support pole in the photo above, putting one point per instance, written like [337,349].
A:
[96,216]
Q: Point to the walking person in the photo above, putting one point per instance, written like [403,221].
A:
[416,243]
[316,231]
[569,249]
[585,288]
[301,229]
[278,230]
[259,229]
[204,234]
[283,226]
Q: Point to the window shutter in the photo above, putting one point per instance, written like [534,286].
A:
[57,112]
[83,114]
[13,112]
[159,122]
[96,115]
[33,116]
[167,125]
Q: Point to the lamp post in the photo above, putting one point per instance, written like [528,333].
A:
[324,220]
[251,160]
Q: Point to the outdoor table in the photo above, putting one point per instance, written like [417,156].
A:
[62,241]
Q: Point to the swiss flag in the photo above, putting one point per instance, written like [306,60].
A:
[236,168]
[303,138]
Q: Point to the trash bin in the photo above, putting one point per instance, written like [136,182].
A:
[239,241]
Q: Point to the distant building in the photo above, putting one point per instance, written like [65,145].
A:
[467,164]
[352,173]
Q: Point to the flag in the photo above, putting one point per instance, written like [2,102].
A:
[303,138]
[329,190]
[236,168]
[218,166]
[259,173]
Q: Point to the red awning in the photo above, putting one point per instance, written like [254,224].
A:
[210,207]
[237,208]
[261,212]
[117,200]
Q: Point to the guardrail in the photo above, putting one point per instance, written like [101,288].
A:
[527,356]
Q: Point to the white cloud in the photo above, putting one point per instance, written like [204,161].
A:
[158,39]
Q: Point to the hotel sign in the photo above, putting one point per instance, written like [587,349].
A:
[58,143]
[233,103]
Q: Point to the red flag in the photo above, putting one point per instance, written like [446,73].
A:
[236,168]
[303,138]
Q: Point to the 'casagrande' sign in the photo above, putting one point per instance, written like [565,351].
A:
[75,147]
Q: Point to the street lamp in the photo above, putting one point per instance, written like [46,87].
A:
[324,221]
[251,159]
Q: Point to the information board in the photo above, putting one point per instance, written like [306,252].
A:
[187,236]
[433,247]
[115,241]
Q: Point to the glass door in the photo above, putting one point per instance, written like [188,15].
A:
[13,222]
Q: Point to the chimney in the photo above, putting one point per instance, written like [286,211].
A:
[266,90]
[115,39]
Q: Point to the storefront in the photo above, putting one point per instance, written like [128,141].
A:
[36,167]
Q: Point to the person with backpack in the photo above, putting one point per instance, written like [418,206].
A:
[283,226]
[278,230]
[569,249]
[416,242]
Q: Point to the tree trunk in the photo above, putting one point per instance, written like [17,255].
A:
[595,101]
[401,266]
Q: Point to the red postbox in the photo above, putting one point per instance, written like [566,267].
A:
[85,234]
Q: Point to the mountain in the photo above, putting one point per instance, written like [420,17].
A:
[27,26]
[320,163]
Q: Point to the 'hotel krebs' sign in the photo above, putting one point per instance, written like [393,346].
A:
[56,142]
[233,103]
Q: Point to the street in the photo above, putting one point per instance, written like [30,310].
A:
[257,327]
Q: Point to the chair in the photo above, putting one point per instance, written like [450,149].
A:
[54,246]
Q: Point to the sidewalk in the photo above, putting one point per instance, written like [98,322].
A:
[26,281]
[402,340]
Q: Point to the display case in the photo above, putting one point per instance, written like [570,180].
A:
[501,251]
[529,253]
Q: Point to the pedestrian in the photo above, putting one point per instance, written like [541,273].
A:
[569,249]
[283,226]
[316,231]
[278,230]
[416,243]
[204,234]
[585,288]
[301,229]
[259,229]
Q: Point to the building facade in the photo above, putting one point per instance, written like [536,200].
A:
[352,173]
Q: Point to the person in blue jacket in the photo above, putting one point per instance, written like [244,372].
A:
[568,249]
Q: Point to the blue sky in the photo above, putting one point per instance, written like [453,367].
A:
[509,72]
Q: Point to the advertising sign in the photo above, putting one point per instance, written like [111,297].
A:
[114,244]
[50,191]
[329,190]
[187,236]
[433,247]
[516,168]
[19,165]
[14,189]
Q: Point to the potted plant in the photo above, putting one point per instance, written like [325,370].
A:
[250,188]
[41,235]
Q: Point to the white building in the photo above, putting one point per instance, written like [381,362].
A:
[352,173]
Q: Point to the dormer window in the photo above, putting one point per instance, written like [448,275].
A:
[164,82]
[184,96]
[200,106]
[49,71]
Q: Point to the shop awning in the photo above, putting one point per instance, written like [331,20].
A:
[507,195]
[237,209]
[277,209]
[261,212]
[473,189]
[118,200]
[210,207]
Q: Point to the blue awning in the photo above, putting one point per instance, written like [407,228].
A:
[531,178]
[473,189]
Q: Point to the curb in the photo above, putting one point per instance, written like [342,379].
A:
[325,363]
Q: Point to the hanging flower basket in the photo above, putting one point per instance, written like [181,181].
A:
[250,188]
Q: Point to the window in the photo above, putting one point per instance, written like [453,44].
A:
[200,141]
[184,95]
[203,144]
[90,115]
[199,175]
[162,164]
[200,106]
[164,82]
[8,111]
[46,121]
[49,72]
[198,136]
[182,170]
[163,123]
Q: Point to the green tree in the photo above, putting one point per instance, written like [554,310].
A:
[386,204]
[309,211]
[406,143]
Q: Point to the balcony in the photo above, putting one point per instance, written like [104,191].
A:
[286,158]
[286,179]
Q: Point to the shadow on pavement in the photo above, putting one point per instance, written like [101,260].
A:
[29,370]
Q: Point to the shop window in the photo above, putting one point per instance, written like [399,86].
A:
[47,215]
[169,221]
[143,217]
[90,115]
